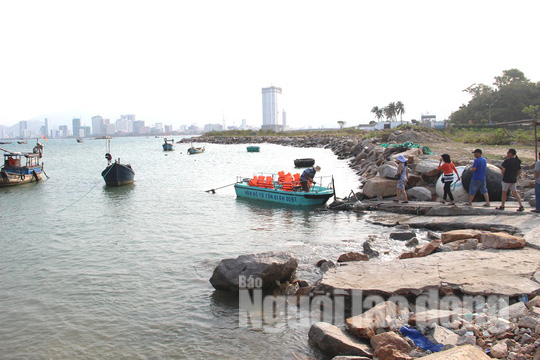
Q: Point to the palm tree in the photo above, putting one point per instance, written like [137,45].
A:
[378,113]
[390,111]
[400,110]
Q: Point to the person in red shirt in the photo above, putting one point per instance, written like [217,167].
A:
[448,168]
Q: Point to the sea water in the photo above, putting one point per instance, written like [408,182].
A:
[91,272]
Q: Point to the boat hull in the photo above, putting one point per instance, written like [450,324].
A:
[317,196]
[300,163]
[118,174]
[168,147]
[193,151]
[8,178]
[253,148]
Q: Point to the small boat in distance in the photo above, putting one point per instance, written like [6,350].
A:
[168,145]
[21,168]
[301,163]
[253,148]
[116,173]
[287,191]
[5,142]
[195,150]
[79,140]
[22,142]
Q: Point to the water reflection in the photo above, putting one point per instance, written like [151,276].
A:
[117,195]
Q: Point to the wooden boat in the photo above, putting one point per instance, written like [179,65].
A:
[79,140]
[22,168]
[270,190]
[168,145]
[307,162]
[253,148]
[116,173]
[195,150]
[22,142]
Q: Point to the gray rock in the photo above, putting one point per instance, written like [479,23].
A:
[402,236]
[369,250]
[268,267]
[419,193]
[388,170]
[335,341]
[427,167]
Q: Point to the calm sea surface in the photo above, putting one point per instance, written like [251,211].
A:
[92,272]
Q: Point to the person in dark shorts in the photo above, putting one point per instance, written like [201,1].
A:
[511,169]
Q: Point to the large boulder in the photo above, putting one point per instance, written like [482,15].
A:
[493,182]
[378,186]
[427,167]
[261,270]
[502,240]
[411,155]
[388,170]
[368,323]
[461,234]
[419,193]
[334,341]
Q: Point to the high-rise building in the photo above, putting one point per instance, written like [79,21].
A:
[98,127]
[23,127]
[271,116]
[63,130]
[76,126]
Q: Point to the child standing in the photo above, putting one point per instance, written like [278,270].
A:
[403,177]
[448,168]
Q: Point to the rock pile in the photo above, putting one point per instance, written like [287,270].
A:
[502,330]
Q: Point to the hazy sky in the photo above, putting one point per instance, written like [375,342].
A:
[183,62]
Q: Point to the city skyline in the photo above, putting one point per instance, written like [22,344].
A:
[197,63]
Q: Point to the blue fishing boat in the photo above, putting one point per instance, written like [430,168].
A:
[22,168]
[266,188]
[116,173]
[253,148]
[168,145]
[195,150]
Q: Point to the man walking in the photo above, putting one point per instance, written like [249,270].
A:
[478,181]
[511,169]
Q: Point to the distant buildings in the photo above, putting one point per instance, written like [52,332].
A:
[271,116]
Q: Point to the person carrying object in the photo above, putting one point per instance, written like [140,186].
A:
[448,168]
[307,176]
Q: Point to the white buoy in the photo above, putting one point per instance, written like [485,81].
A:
[458,191]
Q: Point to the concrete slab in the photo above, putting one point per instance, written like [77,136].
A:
[498,272]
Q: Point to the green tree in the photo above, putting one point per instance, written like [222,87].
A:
[341,124]
[533,111]
[509,77]
[505,102]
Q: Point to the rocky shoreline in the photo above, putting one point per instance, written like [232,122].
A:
[482,272]
[376,165]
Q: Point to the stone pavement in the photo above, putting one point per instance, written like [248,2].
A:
[435,216]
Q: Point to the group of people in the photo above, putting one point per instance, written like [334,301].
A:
[511,170]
